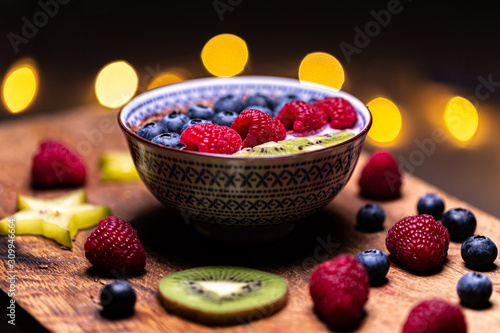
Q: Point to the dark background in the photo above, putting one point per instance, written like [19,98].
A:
[426,47]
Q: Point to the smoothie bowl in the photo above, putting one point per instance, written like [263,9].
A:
[241,197]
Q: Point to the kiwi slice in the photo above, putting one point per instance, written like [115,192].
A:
[58,218]
[117,166]
[223,295]
[295,144]
[268,148]
[329,140]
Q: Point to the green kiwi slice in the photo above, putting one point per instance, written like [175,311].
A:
[296,145]
[268,148]
[223,295]
[329,140]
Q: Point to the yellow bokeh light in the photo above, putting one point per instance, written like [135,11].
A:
[461,118]
[225,55]
[387,120]
[20,86]
[322,68]
[163,79]
[116,84]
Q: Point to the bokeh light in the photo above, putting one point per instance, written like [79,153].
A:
[168,77]
[387,120]
[225,55]
[461,118]
[116,84]
[20,86]
[322,68]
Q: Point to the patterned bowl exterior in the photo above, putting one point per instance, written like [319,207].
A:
[240,192]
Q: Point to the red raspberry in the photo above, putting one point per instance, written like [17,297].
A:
[114,245]
[256,127]
[381,178]
[435,316]
[340,112]
[211,138]
[302,117]
[339,289]
[56,165]
[418,242]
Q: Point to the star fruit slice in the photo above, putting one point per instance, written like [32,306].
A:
[58,219]
[71,199]
[117,166]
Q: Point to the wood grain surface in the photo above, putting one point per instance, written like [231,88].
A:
[63,297]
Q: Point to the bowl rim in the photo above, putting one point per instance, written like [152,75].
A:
[249,79]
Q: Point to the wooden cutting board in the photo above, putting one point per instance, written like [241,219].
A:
[63,297]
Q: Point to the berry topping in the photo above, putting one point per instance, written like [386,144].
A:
[211,138]
[341,113]
[431,204]
[56,165]
[115,246]
[172,140]
[117,299]
[460,223]
[174,121]
[152,129]
[224,118]
[435,316]
[418,242]
[376,264]
[380,178]
[474,290]
[229,103]
[255,128]
[259,99]
[479,252]
[370,217]
[339,289]
[302,118]
[263,109]
[199,111]
[193,122]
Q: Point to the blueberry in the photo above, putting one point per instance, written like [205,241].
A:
[199,111]
[262,108]
[224,118]
[474,290]
[282,100]
[370,217]
[118,299]
[431,204]
[194,122]
[460,223]
[479,252]
[376,264]
[152,129]
[172,140]
[259,100]
[174,121]
[229,103]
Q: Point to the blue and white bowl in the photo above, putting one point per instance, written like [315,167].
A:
[238,198]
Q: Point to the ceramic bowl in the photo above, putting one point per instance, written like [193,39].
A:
[240,199]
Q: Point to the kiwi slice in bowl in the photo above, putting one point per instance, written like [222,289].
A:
[268,148]
[332,139]
[223,295]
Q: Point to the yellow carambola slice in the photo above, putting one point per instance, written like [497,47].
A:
[70,199]
[117,166]
[58,219]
